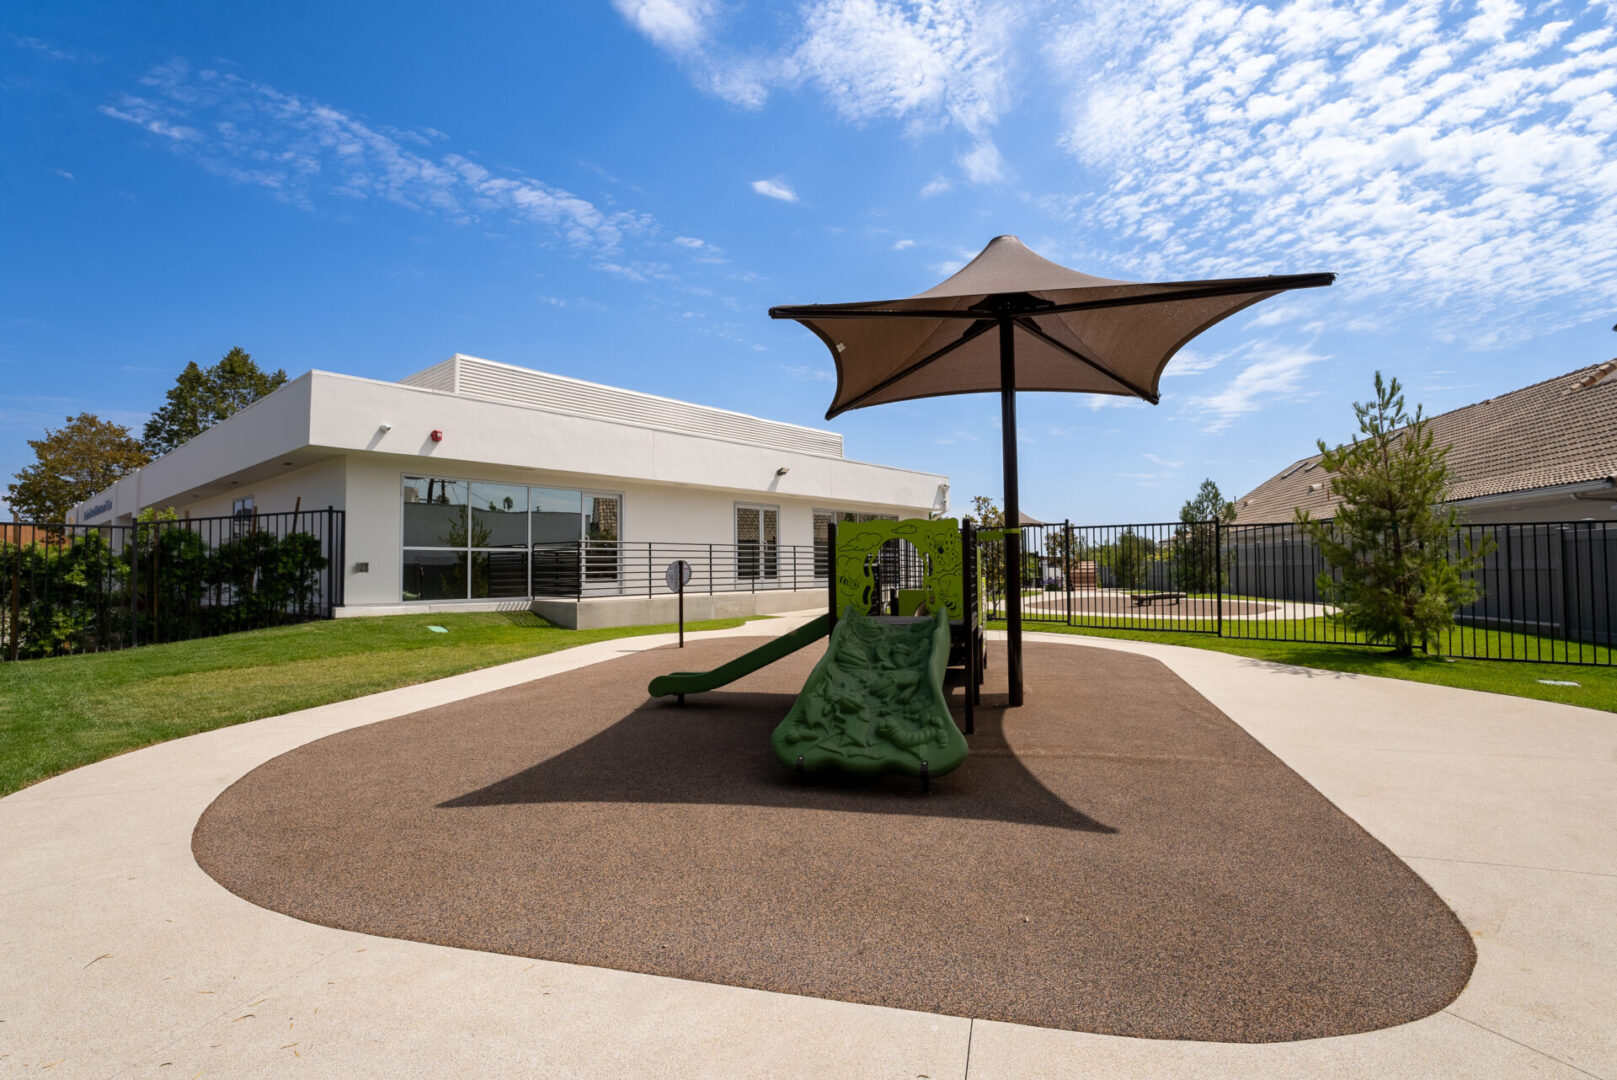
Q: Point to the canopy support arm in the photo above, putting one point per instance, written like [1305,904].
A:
[1033,328]
[976,330]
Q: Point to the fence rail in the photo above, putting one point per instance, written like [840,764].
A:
[67,589]
[603,568]
[1548,590]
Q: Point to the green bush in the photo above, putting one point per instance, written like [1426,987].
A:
[75,594]
[70,593]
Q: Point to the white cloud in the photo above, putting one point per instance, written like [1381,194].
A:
[937,186]
[903,245]
[983,164]
[1452,162]
[63,173]
[311,155]
[1275,373]
[690,242]
[680,26]
[44,48]
[1164,462]
[1189,362]
[150,116]
[927,63]
[809,373]
[775,189]
[930,64]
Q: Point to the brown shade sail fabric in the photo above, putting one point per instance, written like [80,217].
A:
[1073,331]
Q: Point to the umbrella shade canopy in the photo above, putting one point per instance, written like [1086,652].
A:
[1072,331]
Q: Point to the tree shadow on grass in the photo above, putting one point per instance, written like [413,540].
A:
[715,750]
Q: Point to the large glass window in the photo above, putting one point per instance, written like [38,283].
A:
[556,518]
[434,512]
[471,539]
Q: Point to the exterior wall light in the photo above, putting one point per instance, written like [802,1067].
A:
[384,428]
[783,470]
[437,436]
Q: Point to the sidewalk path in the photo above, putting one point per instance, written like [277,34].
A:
[122,958]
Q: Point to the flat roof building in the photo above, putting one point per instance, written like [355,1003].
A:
[475,484]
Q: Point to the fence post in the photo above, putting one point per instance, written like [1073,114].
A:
[134,583]
[1066,567]
[1218,570]
[16,590]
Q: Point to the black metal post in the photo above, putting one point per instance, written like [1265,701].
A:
[134,583]
[1218,570]
[1013,511]
[1066,568]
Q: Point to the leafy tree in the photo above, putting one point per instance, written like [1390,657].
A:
[986,512]
[201,397]
[1401,576]
[1198,565]
[72,463]
[1129,558]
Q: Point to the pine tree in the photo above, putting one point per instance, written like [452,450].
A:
[200,398]
[72,463]
[1401,576]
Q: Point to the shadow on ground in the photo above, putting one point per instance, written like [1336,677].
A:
[715,750]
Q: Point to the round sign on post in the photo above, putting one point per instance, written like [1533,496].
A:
[678,576]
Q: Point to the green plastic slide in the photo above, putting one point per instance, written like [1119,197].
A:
[696,682]
[875,703]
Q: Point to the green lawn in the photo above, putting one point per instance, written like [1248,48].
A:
[61,713]
[1597,687]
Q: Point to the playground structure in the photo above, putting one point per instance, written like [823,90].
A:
[877,702]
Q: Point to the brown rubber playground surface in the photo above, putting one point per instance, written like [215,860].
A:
[1117,856]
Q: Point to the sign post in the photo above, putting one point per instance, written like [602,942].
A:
[678,576]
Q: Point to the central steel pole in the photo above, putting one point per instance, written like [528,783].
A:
[1013,512]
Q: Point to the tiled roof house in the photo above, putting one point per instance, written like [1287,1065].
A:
[1546,452]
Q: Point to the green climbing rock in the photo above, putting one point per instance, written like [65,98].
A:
[875,703]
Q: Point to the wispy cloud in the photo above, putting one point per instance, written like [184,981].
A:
[319,157]
[775,189]
[1190,362]
[936,186]
[1427,152]
[932,65]
[43,48]
[1275,373]
[1164,462]
[809,373]
[903,245]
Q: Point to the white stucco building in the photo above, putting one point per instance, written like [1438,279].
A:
[477,485]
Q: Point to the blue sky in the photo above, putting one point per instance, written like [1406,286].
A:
[619,191]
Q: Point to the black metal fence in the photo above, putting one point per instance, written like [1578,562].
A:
[1548,591]
[67,589]
[599,568]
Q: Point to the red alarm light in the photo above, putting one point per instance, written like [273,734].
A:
[437,436]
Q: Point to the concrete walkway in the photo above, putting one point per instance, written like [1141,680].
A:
[119,957]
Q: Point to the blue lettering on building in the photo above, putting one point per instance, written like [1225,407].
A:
[97,510]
